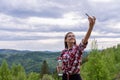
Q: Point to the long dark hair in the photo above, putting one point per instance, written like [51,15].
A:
[65,43]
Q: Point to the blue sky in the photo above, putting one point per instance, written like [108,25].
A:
[42,24]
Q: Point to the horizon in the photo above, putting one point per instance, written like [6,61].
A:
[49,50]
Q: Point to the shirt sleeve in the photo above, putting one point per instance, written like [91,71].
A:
[82,46]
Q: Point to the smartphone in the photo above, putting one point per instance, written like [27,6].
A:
[87,14]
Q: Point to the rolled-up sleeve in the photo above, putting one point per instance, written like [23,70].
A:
[82,46]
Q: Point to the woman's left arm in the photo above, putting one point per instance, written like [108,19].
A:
[91,25]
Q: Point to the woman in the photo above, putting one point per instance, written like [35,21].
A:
[71,55]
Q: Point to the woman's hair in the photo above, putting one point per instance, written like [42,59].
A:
[65,43]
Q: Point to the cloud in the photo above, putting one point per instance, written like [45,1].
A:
[44,21]
[39,45]
[41,24]
[31,8]
[102,1]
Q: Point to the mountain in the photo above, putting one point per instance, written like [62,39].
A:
[31,60]
[12,51]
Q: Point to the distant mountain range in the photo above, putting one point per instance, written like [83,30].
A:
[30,60]
[12,51]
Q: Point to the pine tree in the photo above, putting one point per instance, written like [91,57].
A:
[44,68]
[21,73]
[5,72]
[17,72]
[14,70]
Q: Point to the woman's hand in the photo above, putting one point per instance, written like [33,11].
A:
[91,21]
[58,69]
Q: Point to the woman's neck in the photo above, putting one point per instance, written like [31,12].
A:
[70,45]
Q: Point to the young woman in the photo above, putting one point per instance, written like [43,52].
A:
[71,55]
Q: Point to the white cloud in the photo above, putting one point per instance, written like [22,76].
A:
[102,1]
[9,22]
[39,45]
[68,19]
[29,5]
[114,25]
[54,45]
[26,25]
[110,34]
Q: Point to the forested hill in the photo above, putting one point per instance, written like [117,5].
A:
[12,51]
[30,60]
[98,65]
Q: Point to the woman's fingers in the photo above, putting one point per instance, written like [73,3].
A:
[91,20]
[94,18]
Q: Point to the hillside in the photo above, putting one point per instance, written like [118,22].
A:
[98,65]
[102,65]
[31,60]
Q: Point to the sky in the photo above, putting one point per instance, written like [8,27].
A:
[40,25]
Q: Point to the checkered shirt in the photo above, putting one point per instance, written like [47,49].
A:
[71,59]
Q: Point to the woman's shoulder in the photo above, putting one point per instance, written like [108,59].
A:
[64,50]
[75,46]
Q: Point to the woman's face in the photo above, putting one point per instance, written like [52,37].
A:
[70,38]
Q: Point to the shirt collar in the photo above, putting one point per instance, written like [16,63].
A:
[71,48]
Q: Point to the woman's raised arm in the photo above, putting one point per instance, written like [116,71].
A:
[91,25]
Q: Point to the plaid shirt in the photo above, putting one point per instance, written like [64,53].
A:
[71,59]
